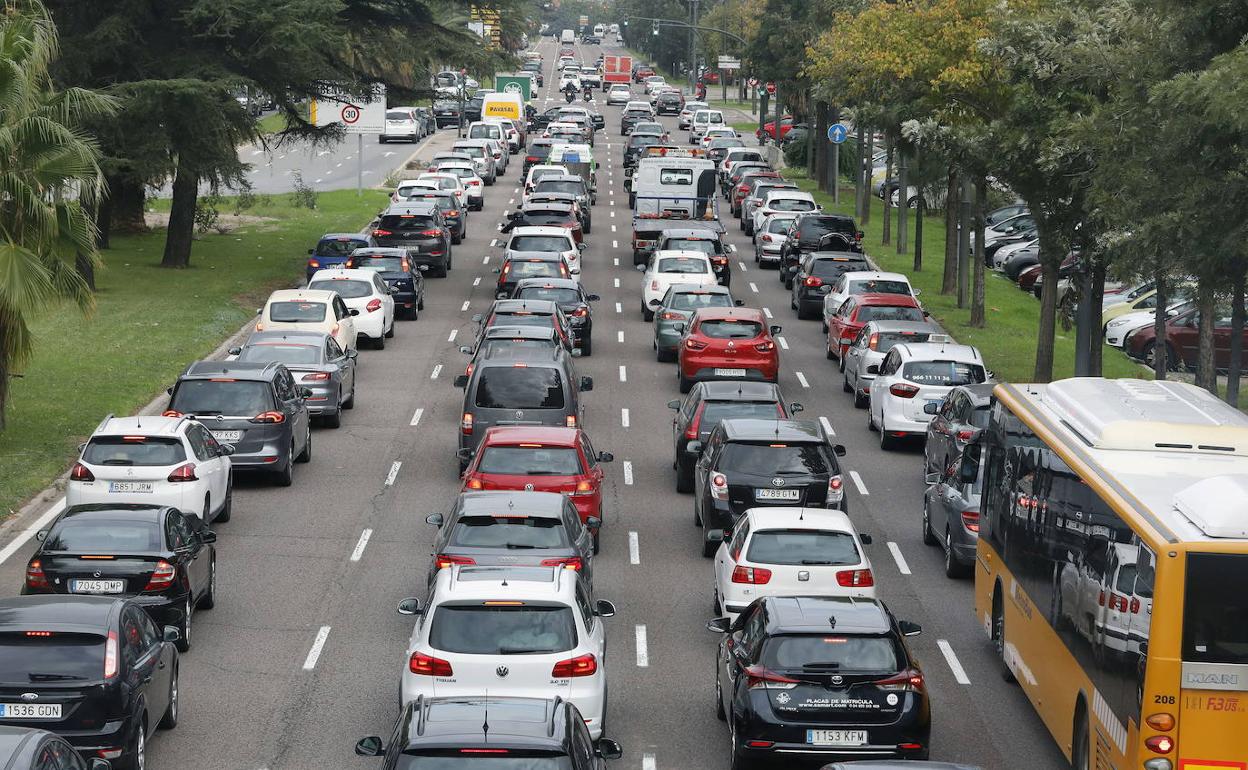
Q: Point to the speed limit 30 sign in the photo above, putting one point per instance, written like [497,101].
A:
[350,114]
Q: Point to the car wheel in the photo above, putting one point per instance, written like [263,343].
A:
[227,509]
[286,476]
[587,347]
[1081,755]
[841,364]
[184,641]
[420,301]
[886,443]
[953,568]
[749,228]
[597,541]
[350,402]
[845,386]
[138,747]
[737,761]
[390,331]
[720,714]
[170,719]
[379,343]
[708,548]
[827,348]
[861,400]
[588,223]
[209,599]
[998,637]
[646,313]
[306,454]
[685,384]
[870,421]
[665,356]
[928,537]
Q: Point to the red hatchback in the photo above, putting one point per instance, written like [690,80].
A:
[727,343]
[541,460]
[858,309]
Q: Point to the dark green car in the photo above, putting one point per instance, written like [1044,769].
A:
[676,308]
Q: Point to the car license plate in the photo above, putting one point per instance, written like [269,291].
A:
[836,737]
[30,711]
[729,372]
[227,435]
[777,494]
[130,487]
[98,586]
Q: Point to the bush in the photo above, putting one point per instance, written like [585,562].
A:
[304,196]
[795,151]
[207,216]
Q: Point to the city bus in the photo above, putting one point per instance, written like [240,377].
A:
[1112,568]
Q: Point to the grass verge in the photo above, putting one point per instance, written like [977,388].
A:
[149,323]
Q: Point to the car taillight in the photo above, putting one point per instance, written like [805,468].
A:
[473,183]
[162,576]
[757,677]
[966,435]
[81,473]
[695,345]
[765,347]
[184,472]
[434,233]
[812,281]
[568,562]
[902,390]
[668,315]
[580,312]
[110,655]
[531,159]
[836,489]
[910,680]
[270,418]
[570,421]
[743,189]
[443,560]
[373,305]
[1160,744]
[35,578]
[970,520]
[1135,602]
[465,424]
[382,233]
[427,665]
[855,578]
[584,487]
[315,377]
[719,486]
[873,342]
[752,575]
[171,413]
[313,263]
[581,665]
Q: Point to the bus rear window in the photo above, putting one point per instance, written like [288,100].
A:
[1215,620]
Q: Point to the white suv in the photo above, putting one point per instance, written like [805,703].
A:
[171,461]
[531,632]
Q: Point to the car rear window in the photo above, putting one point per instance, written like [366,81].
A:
[886,340]
[474,151]
[133,450]
[716,412]
[879,286]
[705,245]
[512,532]
[408,191]
[695,300]
[832,652]
[730,329]
[268,352]
[297,312]
[562,296]
[59,658]
[346,289]
[523,268]
[485,132]
[236,398]
[644,140]
[485,630]
[113,536]
[814,226]
[519,349]
[561,186]
[792,204]
[835,268]
[682,265]
[523,318]
[530,461]
[456,759]
[779,224]
[338,247]
[889,313]
[539,243]
[516,387]
[802,546]
[777,458]
[398,115]
[378,262]
[942,373]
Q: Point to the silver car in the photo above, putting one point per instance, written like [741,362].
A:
[769,239]
[317,363]
[951,510]
[871,345]
[482,156]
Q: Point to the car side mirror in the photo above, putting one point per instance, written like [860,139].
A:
[581,247]
[795,407]
[864,538]
[587,383]
[693,448]
[577,353]
[410,606]
[719,625]
[100,764]
[370,747]
[353,354]
[679,327]
[575,271]
[608,749]
[738,302]
[259,310]
[931,407]
[926,314]
[171,634]
[435,519]
[968,471]
[311,251]
[916,292]
[496,271]
[592,297]
[641,268]
[775,329]
[873,369]
[168,391]
[717,535]
[593,522]
[477,318]
[908,628]
[41,534]
[466,349]
[234,351]
[461,381]
[931,478]
[604,609]
[838,450]
[674,403]
[208,536]
[354,311]
[606,457]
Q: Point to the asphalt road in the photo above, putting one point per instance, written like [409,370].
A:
[331,166]
[303,652]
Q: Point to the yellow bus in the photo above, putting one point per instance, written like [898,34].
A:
[1112,568]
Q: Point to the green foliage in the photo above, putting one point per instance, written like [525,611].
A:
[303,195]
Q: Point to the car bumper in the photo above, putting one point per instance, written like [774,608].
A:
[810,303]
[324,398]
[371,325]
[410,136]
[752,374]
[901,423]
[272,455]
[769,254]
[89,492]
[108,741]
[666,338]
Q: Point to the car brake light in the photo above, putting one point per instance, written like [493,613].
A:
[668,315]
[1135,602]
[970,520]
[427,665]
[81,473]
[695,345]
[580,312]
[1160,744]
[373,305]
[382,233]
[531,159]
[752,575]
[966,435]
[270,418]
[584,487]
[765,347]
[910,680]
[570,421]
[902,390]
[812,281]
[184,472]
[757,677]
[110,655]
[443,560]
[874,342]
[474,183]
[316,377]
[434,233]
[171,413]
[836,489]
[465,424]
[691,432]
[569,562]
[35,578]
[313,263]
[855,578]
[162,576]
[581,665]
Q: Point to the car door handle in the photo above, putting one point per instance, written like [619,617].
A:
[147,679]
[161,664]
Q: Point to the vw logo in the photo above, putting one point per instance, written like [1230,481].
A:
[777,482]
[838,679]
[528,487]
[30,696]
[97,573]
[502,671]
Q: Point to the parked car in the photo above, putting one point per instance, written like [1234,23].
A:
[1183,340]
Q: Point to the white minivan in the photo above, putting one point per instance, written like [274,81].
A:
[704,120]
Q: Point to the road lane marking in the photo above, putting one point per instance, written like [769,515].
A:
[827,426]
[802,379]
[615,244]
[485,260]
[902,567]
[39,523]
[643,652]
[767,312]
[416,417]
[616,261]
[476,281]
[634,549]
[612,226]
[783,343]
[361,545]
[494,243]
[617,283]
[647,762]
[619,308]
[623,373]
[451,337]
[753,288]
[744,269]
[624,417]
[628,473]
[394,472]
[955,665]
[619,336]
[516,190]
[318,644]
[436,371]
[862,488]
[613,213]
[464,306]
[513,200]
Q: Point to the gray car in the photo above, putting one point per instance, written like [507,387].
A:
[28,748]
[677,307]
[257,407]
[482,154]
[956,422]
[951,510]
[868,349]
[317,363]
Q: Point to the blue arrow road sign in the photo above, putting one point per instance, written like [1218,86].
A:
[837,132]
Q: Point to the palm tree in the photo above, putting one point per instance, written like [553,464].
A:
[49,176]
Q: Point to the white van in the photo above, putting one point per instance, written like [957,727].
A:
[567,37]
[599,30]
[704,120]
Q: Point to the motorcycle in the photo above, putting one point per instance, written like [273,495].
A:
[588,94]
[569,94]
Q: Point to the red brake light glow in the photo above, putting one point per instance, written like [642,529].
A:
[184,472]
[427,665]
[750,575]
[269,418]
[855,578]
[902,390]
[970,520]
[582,665]
[162,576]
[35,579]
[81,473]
[443,560]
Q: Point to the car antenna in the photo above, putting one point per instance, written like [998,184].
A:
[485,728]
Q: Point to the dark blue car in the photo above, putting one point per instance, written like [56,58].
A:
[333,249]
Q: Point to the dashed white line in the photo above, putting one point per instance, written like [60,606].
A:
[767,312]
[634,549]
[783,343]
[617,283]
[494,243]
[416,417]
[616,261]
[623,373]
[802,379]
[647,762]
[744,269]
[513,200]
[318,644]
[436,371]
[902,567]
[613,213]
[624,417]
[955,665]
[613,226]
[464,306]
[753,288]
[394,472]
[643,652]
[476,281]
[361,544]
[827,426]
[862,488]
[516,190]
[615,244]
[619,336]
[619,308]
[485,260]
[628,473]
[451,337]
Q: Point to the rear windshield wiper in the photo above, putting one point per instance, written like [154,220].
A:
[822,666]
[54,677]
[810,562]
[521,546]
[117,461]
[524,651]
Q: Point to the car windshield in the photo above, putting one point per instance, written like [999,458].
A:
[791,204]
[704,245]
[525,269]
[58,657]
[889,313]
[715,412]
[802,546]
[297,312]
[455,759]
[943,373]
[517,387]
[833,268]
[682,265]
[493,630]
[831,652]
[133,450]
[507,531]
[345,289]
[236,398]
[539,243]
[878,286]
[116,536]
[534,460]
[338,247]
[378,262]
[776,458]
[694,300]
[283,353]
[730,329]
[550,294]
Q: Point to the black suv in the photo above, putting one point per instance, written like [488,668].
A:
[631,117]
[820,232]
[753,463]
[814,277]
[453,731]
[446,113]
[572,299]
[820,677]
[419,227]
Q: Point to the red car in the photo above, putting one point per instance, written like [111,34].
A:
[727,343]
[1183,340]
[858,309]
[543,460]
[743,187]
[769,128]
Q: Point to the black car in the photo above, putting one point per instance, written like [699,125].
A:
[23,748]
[154,554]
[547,266]
[637,144]
[446,113]
[472,109]
[820,677]
[707,241]
[571,298]
[424,116]
[454,214]
[956,422]
[720,146]
[711,402]
[814,276]
[95,670]
[526,529]
[403,271]
[752,463]
[417,227]
[820,232]
[633,116]
[669,103]
[544,118]
[537,154]
[532,733]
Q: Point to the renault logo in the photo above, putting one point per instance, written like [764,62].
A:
[777,482]
[30,696]
[528,487]
[502,671]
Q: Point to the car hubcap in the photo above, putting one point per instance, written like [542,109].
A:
[173,699]
[927,521]
[140,750]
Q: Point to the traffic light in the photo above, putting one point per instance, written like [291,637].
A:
[655,29]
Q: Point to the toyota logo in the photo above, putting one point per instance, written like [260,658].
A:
[502,671]
[777,482]
[838,679]
[30,696]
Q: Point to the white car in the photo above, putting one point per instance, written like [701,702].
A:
[537,240]
[704,120]
[450,182]
[487,129]
[716,133]
[401,123]
[685,119]
[539,171]
[1119,329]
[512,631]
[366,292]
[873,342]
[619,93]
[1003,254]
[653,83]
[911,382]
[309,310]
[781,201]
[667,268]
[409,187]
[472,181]
[769,238]
[791,551]
[864,282]
[171,461]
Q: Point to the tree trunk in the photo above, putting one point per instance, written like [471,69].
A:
[979,318]
[4,373]
[181,220]
[1050,260]
[1161,348]
[1206,373]
[1236,363]
[888,174]
[820,138]
[86,268]
[918,235]
[949,281]
[1096,298]
[103,220]
[866,185]
[126,199]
